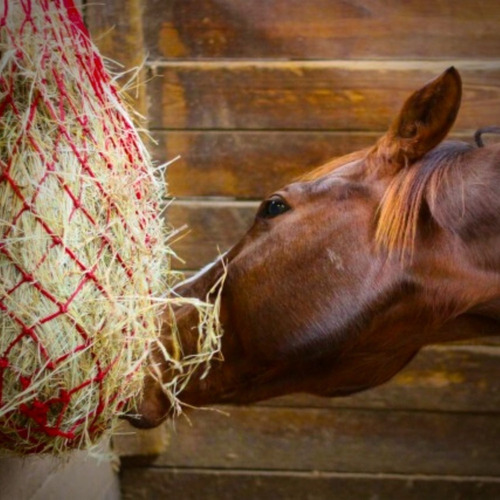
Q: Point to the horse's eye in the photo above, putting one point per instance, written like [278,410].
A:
[273,207]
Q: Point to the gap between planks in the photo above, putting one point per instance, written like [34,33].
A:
[315,473]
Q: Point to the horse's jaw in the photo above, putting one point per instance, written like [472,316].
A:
[237,380]
[155,406]
[385,345]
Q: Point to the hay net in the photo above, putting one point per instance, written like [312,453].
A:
[84,256]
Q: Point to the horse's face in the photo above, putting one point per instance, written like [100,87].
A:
[335,286]
[310,300]
[299,282]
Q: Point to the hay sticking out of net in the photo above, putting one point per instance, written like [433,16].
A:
[84,256]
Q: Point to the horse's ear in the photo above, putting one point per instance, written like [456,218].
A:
[423,122]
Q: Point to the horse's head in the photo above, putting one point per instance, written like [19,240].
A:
[347,272]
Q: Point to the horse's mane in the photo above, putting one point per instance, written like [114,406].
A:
[411,188]
[332,165]
[399,211]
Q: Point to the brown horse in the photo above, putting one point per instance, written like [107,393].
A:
[348,272]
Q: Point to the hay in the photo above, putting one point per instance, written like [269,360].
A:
[84,257]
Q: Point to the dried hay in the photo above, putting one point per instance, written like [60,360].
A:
[84,257]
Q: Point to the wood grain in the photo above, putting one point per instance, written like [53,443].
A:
[452,378]
[337,440]
[212,228]
[251,94]
[322,29]
[326,95]
[118,31]
[246,164]
[212,484]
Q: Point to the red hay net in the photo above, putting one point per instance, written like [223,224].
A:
[35,420]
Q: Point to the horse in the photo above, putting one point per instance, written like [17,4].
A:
[348,272]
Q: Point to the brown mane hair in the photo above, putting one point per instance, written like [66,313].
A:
[399,211]
[400,208]
[332,165]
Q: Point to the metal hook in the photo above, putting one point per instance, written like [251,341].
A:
[484,130]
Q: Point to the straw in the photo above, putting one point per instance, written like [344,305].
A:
[85,262]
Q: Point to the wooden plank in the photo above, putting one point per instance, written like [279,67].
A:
[213,227]
[127,440]
[458,378]
[322,29]
[336,440]
[116,28]
[322,95]
[193,484]
[249,165]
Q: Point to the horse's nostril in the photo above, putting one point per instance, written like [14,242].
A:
[140,421]
[152,411]
[144,416]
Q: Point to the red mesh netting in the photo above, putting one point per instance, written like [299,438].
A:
[82,247]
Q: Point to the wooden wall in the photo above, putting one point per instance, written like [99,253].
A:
[250,93]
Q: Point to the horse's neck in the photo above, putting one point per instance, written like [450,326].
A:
[467,200]
[470,293]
